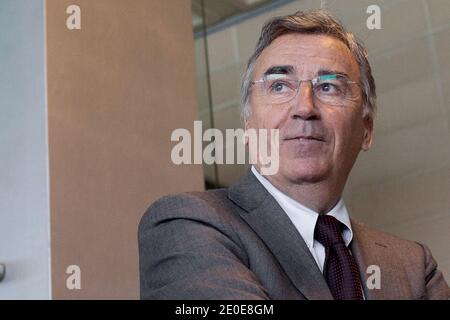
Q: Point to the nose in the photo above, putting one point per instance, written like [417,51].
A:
[303,106]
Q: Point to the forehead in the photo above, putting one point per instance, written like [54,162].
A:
[307,54]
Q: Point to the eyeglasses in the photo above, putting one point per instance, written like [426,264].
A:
[332,89]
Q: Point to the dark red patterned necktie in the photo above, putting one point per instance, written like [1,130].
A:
[340,268]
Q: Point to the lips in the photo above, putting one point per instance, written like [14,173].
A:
[307,138]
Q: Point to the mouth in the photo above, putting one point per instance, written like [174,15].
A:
[307,138]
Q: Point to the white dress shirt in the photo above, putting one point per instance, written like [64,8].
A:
[304,219]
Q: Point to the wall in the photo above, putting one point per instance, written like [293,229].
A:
[24,207]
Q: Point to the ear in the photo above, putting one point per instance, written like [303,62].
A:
[368,133]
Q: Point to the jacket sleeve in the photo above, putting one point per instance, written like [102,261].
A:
[187,252]
[436,286]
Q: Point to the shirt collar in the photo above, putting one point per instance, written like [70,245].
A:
[305,218]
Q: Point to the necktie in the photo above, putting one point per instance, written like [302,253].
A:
[340,268]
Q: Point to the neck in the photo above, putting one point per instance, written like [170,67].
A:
[320,196]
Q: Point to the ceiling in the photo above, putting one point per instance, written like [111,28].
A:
[217,11]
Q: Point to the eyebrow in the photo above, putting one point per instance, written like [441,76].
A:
[287,69]
[326,72]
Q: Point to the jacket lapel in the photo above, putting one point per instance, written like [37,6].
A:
[371,250]
[271,223]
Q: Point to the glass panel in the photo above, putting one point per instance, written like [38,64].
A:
[407,170]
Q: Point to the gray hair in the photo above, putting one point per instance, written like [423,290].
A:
[312,22]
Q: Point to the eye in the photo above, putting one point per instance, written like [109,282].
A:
[328,88]
[279,87]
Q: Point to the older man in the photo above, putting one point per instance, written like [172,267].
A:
[288,235]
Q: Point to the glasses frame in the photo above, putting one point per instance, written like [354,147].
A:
[313,82]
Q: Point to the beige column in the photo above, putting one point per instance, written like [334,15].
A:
[117,88]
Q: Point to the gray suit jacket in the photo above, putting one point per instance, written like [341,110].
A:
[238,243]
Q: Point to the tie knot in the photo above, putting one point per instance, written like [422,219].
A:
[328,231]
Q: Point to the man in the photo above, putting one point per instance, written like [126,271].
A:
[288,235]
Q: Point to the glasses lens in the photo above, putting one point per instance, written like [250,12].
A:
[279,89]
[334,89]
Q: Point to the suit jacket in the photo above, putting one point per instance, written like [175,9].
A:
[237,243]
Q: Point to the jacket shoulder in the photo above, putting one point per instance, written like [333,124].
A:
[421,269]
[207,206]
[405,246]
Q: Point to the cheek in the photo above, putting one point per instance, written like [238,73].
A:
[348,132]
[266,116]
[349,137]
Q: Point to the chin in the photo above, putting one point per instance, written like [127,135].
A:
[305,171]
